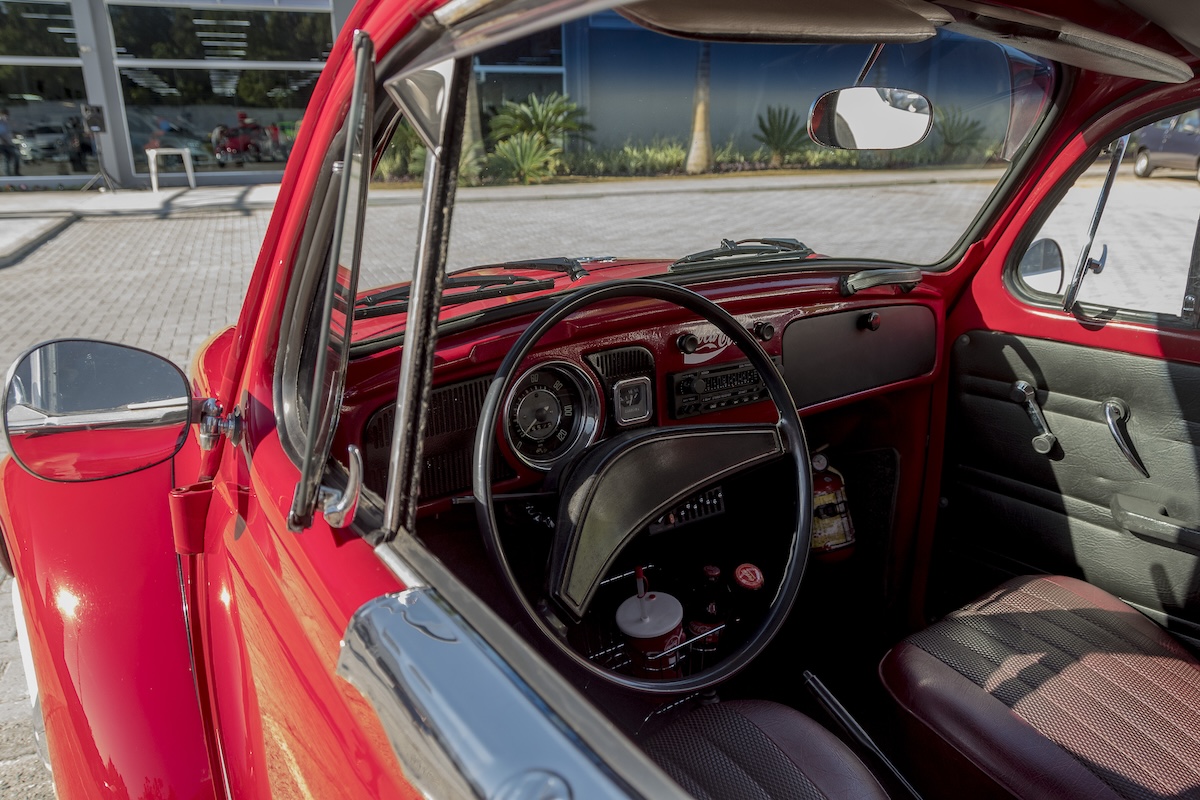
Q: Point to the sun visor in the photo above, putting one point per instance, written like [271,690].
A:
[802,21]
[1178,19]
[1065,42]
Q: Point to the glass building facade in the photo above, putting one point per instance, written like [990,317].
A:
[226,80]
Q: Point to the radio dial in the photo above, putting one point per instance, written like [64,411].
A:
[699,385]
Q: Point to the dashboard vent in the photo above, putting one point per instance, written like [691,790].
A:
[624,362]
[448,445]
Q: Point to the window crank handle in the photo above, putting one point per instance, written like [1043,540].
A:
[1024,393]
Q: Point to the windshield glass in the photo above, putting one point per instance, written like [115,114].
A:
[601,139]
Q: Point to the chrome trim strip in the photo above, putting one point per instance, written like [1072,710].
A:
[469,26]
[553,694]
[461,723]
[1081,264]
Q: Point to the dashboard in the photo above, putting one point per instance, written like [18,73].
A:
[620,369]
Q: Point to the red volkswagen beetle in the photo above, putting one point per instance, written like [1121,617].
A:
[870,470]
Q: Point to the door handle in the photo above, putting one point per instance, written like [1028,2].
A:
[1150,521]
[1116,412]
[1023,392]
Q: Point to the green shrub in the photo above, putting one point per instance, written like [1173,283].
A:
[551,119]
[782,133]
[523,157]
[960,136]
[404,156]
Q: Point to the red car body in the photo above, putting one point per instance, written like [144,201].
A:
[120,660]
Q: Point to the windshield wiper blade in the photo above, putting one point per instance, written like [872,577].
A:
[747,247]
[396,300]
[571,267]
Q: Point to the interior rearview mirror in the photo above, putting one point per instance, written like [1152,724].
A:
[870,118]
[80,410]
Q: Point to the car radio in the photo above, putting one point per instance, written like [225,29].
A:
[704,390]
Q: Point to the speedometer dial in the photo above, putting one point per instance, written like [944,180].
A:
[551,413]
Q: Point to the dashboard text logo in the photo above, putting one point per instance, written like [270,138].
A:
[711,345]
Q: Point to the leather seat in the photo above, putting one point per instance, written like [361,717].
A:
[757,749]
[1048,688]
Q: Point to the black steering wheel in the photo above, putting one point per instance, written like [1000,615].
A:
[618,485]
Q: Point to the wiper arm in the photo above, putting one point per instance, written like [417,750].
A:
[487,287]
[571,267]
[747,247]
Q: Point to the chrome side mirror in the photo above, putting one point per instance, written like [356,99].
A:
[869,118]
[80,410]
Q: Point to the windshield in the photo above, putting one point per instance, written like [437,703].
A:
[600,140]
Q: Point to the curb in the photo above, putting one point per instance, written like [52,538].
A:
[28,245]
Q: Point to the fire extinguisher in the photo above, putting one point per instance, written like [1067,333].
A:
[832,528]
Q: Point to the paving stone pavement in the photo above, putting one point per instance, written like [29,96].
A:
[167,283]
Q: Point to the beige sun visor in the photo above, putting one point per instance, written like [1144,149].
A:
[1066,42]
[906,21]
[812,21]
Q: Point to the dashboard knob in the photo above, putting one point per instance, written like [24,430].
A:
[870,321]
[698,385]
[764,331]
[687,343]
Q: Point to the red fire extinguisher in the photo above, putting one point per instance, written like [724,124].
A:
[832,528]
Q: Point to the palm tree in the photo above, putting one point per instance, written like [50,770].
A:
[700,154]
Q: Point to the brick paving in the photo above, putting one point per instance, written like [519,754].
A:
[166,283]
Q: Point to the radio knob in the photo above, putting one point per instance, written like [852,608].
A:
[687,343]
[699,385]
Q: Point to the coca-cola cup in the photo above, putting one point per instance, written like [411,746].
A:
[653,626]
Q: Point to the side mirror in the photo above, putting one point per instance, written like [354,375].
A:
[869,118]
[79,410]
[1042,267]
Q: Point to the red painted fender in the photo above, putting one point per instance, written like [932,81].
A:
[97,572]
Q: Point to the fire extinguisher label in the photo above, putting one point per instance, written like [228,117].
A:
[832,527]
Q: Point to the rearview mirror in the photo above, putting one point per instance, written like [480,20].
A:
[79,410]
[869,118]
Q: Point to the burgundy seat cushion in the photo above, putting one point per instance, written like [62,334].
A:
[1049,688]
[756,749]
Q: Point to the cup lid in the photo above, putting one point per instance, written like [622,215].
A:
[663,612]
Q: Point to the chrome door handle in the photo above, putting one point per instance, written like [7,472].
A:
[1116,411]
[1024,393]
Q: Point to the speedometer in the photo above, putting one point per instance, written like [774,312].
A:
[552,412]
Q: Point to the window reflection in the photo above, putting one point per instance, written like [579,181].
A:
[37,29]
[225,118]
[207,33]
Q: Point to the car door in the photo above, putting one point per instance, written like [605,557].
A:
[273,598]
[1073,437]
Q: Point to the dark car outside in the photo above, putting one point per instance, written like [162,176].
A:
[1173,143]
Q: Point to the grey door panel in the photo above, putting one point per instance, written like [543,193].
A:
[1008,504]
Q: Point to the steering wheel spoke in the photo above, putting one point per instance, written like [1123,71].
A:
[607,499]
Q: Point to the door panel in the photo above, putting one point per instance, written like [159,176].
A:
[1015,509]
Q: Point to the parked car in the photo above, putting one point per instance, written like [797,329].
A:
[45,142]
[697,518]
[1173,143]
[143,133]
[24,148]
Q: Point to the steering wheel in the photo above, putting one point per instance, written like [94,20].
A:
[606,496]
